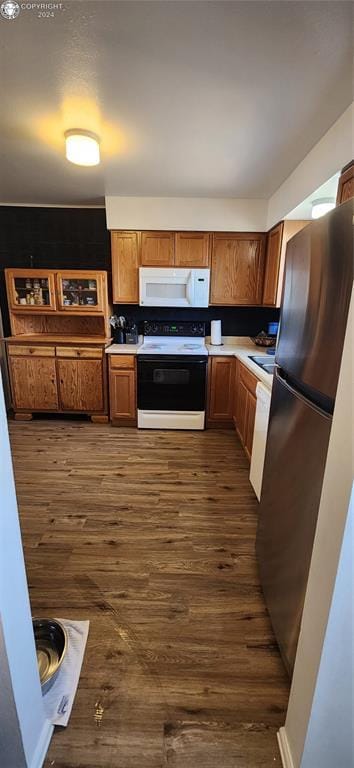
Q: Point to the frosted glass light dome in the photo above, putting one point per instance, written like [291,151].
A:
[322,206]
[82,147]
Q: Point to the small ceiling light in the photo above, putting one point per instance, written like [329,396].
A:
[82,147]
[321,206]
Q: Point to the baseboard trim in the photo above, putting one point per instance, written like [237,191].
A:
[284,748]
[42,746]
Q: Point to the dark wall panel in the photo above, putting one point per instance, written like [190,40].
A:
[56,238]
[77,238]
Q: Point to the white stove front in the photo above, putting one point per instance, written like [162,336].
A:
[172,391]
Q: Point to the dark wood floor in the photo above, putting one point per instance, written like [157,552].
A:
[150,535]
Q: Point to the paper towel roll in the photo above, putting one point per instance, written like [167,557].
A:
[216,332]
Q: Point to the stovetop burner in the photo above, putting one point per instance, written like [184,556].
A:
[172,338]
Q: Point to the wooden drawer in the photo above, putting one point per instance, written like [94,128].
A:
[81,352]
[122,361]
[250,381]
[16,349]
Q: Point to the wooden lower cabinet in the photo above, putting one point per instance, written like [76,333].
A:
[220,391]
[80,385]
[250,419]
[33,383]
[245,401]
[60,378]
[239,402]
[122,390]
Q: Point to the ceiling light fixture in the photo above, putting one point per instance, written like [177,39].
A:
[321,206]
[82,147]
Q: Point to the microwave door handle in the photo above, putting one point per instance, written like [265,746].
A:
[190,290]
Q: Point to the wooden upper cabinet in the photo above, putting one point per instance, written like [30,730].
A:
[31,290]
[237,268]
[125,267]
[81,291]
[290,228]
[272,264]
[346,184]
[192,249]
[157,249]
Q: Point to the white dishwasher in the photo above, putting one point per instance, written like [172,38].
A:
[260,437]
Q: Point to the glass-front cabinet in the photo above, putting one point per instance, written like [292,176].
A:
[31,290]
[80,291]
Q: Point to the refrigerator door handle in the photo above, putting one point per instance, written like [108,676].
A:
[299,394]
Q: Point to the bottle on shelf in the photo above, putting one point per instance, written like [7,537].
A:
[38,296]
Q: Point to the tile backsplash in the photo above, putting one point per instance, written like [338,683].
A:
[235,321]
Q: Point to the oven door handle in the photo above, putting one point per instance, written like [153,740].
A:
[177,361]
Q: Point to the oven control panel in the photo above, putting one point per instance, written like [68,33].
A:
[171,329]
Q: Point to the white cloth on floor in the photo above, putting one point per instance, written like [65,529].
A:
[58,701]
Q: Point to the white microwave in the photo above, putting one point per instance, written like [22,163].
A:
[169,287]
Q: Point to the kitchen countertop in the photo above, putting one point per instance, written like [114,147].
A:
[241,347]
[50,338]
[124,349]
[233,346]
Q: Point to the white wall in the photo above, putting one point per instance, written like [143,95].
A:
[328,156]
[11,747]
[305,708]
[186,213]
[330,737]
[24,721]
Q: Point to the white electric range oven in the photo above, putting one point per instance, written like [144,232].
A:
[172,373]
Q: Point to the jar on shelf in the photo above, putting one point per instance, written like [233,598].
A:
[38,297]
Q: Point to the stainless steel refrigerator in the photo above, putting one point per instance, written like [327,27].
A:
[316,295]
